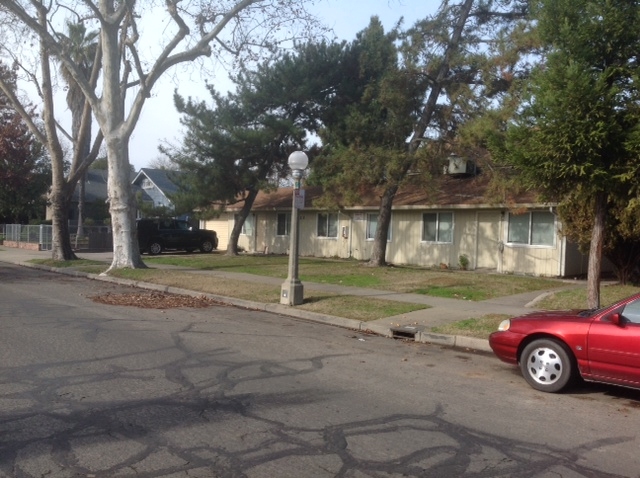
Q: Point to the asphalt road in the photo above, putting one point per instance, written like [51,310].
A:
[93,390]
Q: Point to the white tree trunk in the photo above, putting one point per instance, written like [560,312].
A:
[122,207]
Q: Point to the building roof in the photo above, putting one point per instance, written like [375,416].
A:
[161,179]
[448,191]
[95,186]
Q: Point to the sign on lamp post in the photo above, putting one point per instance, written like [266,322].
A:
[298,198]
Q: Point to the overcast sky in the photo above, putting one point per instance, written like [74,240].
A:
[159,121]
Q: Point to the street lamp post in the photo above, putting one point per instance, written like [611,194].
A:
[292,292]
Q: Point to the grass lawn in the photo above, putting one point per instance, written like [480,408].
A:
[407,279]
[577,298]
[479,328]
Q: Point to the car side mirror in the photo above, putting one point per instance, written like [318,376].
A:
[616,319]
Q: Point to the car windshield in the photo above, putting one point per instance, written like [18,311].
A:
[628,301]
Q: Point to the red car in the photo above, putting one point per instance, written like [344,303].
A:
[554,348]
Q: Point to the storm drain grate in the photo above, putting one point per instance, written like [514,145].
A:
[405,332]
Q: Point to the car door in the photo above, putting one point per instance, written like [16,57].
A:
[614,349]
[188,237]
[168,232]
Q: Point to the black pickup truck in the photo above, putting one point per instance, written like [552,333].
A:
[157,235]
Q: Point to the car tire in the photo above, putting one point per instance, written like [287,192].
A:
[155,248]
[547,365]
[206,246]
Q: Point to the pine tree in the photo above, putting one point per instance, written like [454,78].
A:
[578,134]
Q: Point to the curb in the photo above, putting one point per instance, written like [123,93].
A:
[456,341]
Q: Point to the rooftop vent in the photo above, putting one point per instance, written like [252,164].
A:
[457,166]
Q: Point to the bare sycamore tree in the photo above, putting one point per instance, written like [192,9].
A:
[189,31]
[25,59]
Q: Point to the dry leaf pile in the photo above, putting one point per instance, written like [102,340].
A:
[155,300]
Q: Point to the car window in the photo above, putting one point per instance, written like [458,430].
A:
[631,312]
[146,226]
[167,224]
[183,225]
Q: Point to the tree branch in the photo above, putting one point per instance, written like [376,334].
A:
[50,43]
[19,107]
[165,60]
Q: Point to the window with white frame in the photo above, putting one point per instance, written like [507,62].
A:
[437,227]
[372,227]
[147,184]
[247,225]
[536,228]
[283,224]
[327,225]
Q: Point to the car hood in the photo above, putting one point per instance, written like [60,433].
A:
[555,314]
[548,320]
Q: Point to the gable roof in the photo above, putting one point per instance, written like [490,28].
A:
[95,186]
[446,192]
[161,179]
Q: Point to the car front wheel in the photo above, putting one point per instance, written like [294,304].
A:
[547,365]
[206,246]
[155,248]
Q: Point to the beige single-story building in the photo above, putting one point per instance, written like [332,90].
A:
[428,228]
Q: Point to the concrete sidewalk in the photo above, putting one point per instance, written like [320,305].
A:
[415,325]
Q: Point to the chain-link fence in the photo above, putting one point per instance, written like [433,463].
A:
[19,234]
[96,238]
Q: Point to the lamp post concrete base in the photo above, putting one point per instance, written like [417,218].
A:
[292,292]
